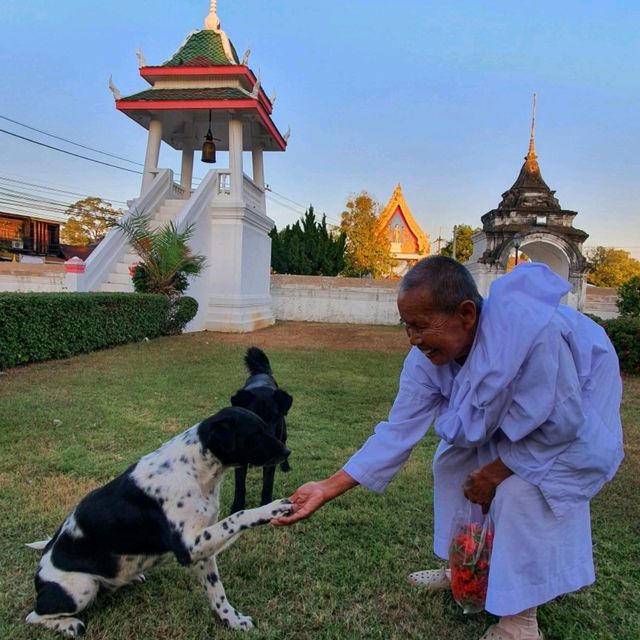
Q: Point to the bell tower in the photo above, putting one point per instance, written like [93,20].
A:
[206,99]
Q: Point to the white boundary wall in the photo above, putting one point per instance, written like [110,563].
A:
[31,277]
[337,300]
[302,298]
[360,301]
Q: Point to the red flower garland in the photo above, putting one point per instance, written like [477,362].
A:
[469,557]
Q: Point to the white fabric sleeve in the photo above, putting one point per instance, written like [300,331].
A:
[386,451]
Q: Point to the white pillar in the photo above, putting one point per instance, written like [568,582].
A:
[153,154]
[186,172]
[258,166]
[235,159]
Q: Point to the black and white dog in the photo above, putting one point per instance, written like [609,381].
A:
[165,503]
[261,395]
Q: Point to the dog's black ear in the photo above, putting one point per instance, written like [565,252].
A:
[219,437]
[242,398]
[284,401]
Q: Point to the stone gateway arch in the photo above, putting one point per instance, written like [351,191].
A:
[529,220]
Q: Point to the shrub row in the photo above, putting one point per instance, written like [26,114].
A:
[624,333]
[46,326]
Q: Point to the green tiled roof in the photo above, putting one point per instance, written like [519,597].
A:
[221,93]
[202,49]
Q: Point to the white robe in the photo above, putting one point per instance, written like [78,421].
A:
[540,389]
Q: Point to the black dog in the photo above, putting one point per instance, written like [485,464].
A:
[165,503]
[261,395]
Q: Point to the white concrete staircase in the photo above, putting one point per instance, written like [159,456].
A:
[119,278]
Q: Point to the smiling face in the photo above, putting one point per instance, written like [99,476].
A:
[441,335]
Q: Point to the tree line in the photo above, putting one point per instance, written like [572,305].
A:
[354,248]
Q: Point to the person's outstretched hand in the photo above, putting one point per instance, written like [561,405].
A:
[307,499]
[312,495]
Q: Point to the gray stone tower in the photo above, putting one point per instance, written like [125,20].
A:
[529,220]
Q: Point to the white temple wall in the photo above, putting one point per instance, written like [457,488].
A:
[335,300]
[305,298]
[22,278]
[484,275]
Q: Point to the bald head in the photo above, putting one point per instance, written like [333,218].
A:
[446,282]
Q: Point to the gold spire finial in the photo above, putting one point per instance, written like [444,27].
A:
[532,147]
[533,116]
[212,22]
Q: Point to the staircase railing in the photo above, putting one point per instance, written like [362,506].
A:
[106,255]
[200,199]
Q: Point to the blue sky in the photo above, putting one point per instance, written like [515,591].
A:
[433,95]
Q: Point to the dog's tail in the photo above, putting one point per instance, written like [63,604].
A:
[38,545]
[257,361]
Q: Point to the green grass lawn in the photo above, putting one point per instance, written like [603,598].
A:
[68,426]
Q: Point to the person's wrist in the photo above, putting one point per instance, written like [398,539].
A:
[496,472]
[336,485]
[325,490]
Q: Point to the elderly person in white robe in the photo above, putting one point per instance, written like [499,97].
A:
[524,393]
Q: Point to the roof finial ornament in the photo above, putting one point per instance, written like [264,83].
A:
[287,134]
[255,92]
[532,148]
[140,56]
[212,23]
[114,90]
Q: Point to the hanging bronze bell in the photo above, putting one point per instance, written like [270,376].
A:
[209,149]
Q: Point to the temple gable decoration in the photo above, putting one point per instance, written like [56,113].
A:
[408,242]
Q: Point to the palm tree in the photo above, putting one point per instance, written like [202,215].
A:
[166,262]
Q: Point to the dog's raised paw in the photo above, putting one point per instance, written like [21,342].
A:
[282,507]
[268,512]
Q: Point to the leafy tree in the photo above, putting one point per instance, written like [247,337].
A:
[166,263]
[611,267]
[464,244]
[89,221]
[367,253]
[629,297]
[307,247]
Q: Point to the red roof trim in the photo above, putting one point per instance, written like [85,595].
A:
[228,70]
[190,105]
[273,130]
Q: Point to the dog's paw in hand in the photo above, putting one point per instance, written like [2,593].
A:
[283,507]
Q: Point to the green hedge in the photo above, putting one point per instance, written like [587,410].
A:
[46,326]
[624,333]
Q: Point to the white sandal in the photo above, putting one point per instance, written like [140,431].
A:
[494,632]
[431,579]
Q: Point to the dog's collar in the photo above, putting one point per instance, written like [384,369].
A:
[260,380]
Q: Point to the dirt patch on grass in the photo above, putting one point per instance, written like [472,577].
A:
[314,335]
[49,492]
